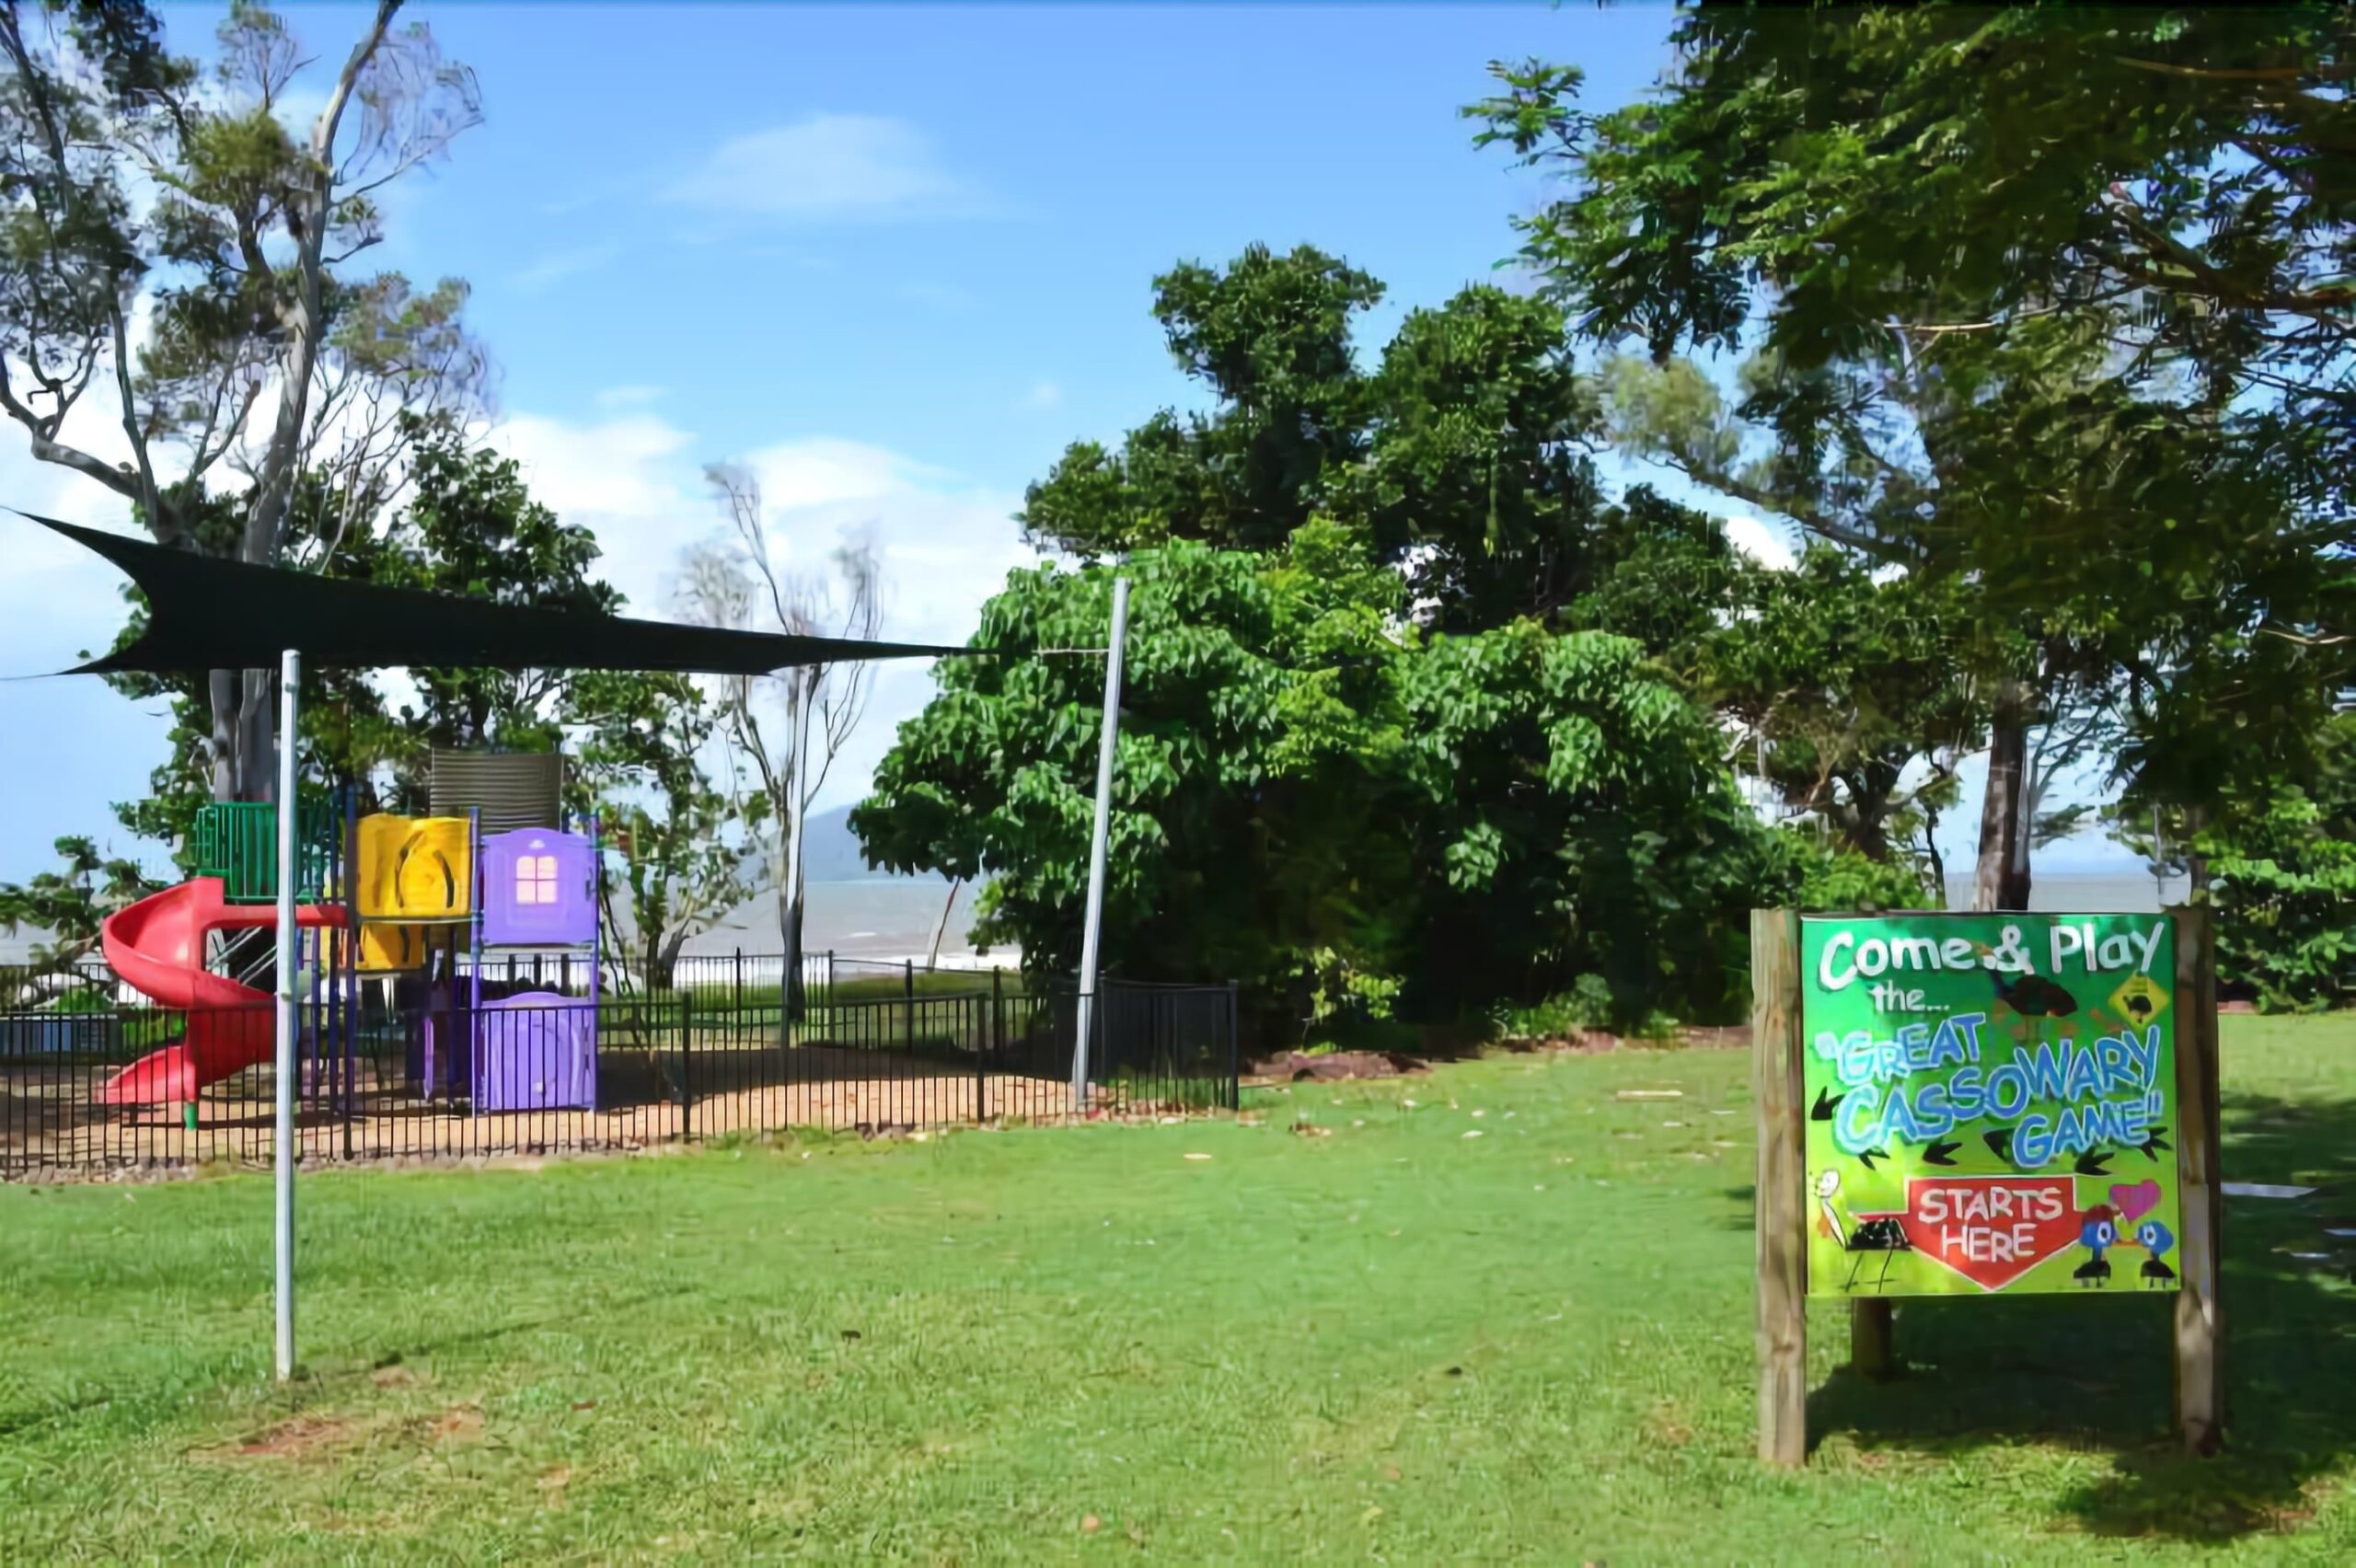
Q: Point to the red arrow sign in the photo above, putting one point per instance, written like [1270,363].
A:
[1991,1229]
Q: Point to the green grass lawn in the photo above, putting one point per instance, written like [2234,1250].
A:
[1494,1312]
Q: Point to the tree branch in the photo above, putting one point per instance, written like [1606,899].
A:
[309,224]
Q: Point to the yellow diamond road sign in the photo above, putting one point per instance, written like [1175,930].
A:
[2139,999]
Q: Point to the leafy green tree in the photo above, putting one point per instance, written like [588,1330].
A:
[1259,708]
[471,527]
[1943,473]
[1573,818]
[1463,455]
[1657,572]
[2277,859]
[1452,492]
[682,842]
[1997,352]
[2285,877]
[1853,692]
[1899,175]
[1479,479]
[266,359]
[1269,338]
[1317,798]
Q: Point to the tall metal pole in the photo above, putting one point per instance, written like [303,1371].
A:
[290,680]
[1090,933]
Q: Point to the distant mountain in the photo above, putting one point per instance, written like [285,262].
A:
[831,852]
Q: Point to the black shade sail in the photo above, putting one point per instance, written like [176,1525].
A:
[206,614]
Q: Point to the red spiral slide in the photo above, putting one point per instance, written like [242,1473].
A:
[157,947]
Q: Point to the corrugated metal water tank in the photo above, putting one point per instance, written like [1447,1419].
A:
[512,790]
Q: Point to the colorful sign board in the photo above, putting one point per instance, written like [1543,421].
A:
[1988,1102]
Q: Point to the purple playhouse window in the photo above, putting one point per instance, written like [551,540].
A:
[537,889]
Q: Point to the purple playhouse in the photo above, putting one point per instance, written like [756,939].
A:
[536,1049]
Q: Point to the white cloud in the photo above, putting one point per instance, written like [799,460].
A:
[829,166]
[612,466]
[821,471]
[629,478]
[946,544]
[559,265]
[1762,542]
[1045,394]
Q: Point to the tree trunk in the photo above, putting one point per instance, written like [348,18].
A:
[2002,880]
[244,734]
[790,920]
[1938,861]
[793,987]
[941,930]
[253,722]
[670,958]
[2196,864]
[257,746]
[224,688]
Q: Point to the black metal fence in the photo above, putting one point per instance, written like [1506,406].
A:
[433,1080]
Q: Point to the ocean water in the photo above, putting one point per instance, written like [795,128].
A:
[894,918]
[2103,893]
[884,917]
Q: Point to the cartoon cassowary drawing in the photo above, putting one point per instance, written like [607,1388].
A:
[2033,996]
[2098,1233]
[2028,996]
[1874,1233]
[2156,1239]
[1828,1218]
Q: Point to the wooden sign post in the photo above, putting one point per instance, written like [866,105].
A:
[1982,1104]
[2200,1332]
[1782,1220]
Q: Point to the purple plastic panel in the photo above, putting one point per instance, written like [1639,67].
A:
[534,1051]
[442,1041]
[538,889]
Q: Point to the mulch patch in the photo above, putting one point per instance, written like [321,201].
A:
[1335,1067]
[1592,1042]
[1302,1066]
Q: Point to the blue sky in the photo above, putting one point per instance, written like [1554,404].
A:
[895,259]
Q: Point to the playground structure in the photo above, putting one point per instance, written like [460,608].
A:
[451,1003]
[401,902]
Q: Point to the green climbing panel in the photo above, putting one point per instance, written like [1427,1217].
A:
[237,841]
